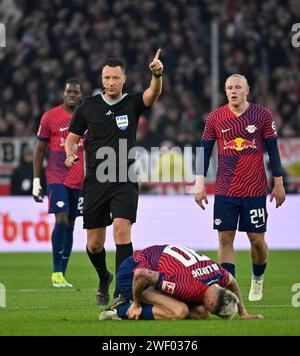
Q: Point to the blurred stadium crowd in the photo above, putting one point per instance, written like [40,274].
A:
[50,41]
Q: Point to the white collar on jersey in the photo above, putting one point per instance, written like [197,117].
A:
[113,102]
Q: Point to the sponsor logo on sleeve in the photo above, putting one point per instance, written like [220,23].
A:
[168,287]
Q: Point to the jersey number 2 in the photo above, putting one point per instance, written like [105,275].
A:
[80,204]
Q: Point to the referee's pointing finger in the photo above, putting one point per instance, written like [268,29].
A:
[157,54]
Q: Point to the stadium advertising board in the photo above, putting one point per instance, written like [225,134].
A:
[26,226]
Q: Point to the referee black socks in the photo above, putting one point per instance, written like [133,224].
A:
[122,252]
[99,262]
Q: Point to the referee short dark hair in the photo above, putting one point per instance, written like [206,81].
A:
[114,62]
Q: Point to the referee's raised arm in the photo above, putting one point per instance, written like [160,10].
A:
[155,88]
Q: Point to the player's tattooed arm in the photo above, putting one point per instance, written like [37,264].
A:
[143,278]
[233,286]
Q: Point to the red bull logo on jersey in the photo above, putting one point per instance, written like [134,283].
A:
[239,144]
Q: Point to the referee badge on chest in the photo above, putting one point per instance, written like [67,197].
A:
[122,122]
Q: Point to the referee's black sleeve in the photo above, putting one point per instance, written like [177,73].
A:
[139,104]
[78,123]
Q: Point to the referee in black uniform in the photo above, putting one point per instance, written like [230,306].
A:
[110,118]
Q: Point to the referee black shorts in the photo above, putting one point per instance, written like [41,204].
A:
[103,202]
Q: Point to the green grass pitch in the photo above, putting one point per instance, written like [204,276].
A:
[34,307]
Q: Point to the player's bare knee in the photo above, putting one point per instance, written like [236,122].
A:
[179,313]
[226,240]
[258,243]
[182,311]
[61,218]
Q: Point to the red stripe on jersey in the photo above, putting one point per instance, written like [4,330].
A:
[186,273]
[241,171]
[54,128]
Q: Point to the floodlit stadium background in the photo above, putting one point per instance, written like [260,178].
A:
[202,43]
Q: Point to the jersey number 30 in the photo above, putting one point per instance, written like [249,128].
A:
[189,258]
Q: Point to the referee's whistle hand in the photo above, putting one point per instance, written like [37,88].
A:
[71,160]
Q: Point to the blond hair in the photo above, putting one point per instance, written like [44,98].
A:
[228,305]
[236,75]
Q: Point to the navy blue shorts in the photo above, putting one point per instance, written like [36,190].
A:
[125,277]
[249,214]
[64,199]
